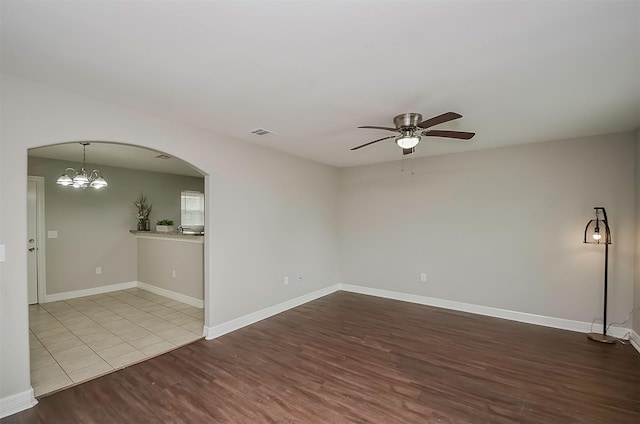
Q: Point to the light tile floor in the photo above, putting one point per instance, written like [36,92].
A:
[78,339]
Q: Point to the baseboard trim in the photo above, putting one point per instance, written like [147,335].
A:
[545,321]
[171,294]
[227,327]
[634,338]
[561,323]
[243,321]
[124,286]
[89,292]
[15,403]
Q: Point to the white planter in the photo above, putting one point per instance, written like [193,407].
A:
[164,228]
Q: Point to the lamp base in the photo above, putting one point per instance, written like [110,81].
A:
[597,337]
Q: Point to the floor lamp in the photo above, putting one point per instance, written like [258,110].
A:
[597,232]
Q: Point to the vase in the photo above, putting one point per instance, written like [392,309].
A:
[143,224]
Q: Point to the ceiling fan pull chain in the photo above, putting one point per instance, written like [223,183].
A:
[403,155]
[413,151]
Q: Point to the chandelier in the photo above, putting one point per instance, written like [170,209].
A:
[80,179]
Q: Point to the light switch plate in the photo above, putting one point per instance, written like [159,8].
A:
[52,234]
[2,253]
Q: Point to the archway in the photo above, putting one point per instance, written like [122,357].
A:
[114,296]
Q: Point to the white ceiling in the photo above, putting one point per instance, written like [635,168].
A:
[118,155]
[313,71]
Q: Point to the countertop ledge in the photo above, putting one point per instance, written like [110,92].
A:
[194,238]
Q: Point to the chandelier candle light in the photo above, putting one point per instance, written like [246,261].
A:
[597,232]
[80,178]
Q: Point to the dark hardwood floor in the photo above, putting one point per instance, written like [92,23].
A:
[349,358]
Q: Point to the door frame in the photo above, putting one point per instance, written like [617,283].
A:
[41,241]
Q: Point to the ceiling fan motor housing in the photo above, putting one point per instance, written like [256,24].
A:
[407,120]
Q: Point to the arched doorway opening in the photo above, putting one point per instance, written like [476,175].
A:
[110,295]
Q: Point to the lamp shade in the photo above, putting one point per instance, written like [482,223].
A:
[408,141]
[64,180]
[597,230]
[81,180]
[98,182]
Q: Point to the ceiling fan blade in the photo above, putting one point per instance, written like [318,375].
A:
[445,117]
[371,142]
[408,151]
[379,128]
[463,135]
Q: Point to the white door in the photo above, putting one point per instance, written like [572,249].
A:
[32,241]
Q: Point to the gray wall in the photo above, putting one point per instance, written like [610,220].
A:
[500,228]
[158,258]
[93,225]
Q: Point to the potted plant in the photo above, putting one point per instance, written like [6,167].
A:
[142,215]
[164,226]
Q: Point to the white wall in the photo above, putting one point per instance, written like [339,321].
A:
[501,228]
[14,338]
[269,214]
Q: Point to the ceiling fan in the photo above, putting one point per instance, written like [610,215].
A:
[411,128]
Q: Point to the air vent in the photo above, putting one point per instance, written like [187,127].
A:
[163,157]
[261,131]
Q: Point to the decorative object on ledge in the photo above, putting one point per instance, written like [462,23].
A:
[80,178]
[164,226]
[597,232]
[191,229]
[143,213]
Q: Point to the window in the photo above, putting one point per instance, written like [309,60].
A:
[191,208]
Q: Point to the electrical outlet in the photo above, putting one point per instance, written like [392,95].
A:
[300,277]
[286,281]
[423,277]
[98,270]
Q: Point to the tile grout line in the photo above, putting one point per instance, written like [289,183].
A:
[119,298]
[77,337]
[124,341]
[47,349]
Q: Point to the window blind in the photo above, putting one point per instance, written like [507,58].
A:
[191,208]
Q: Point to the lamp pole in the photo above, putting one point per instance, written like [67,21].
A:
[606,273]
[603,338]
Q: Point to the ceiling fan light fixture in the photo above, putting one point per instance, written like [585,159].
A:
[408,141]
[411,127]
